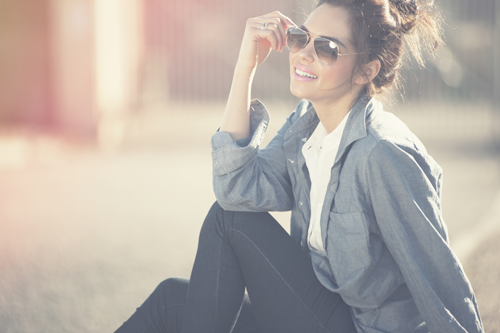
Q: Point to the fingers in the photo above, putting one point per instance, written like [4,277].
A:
[282,22]
[279,30]
[287,22]
[272,33]
[275,32]
[263,34]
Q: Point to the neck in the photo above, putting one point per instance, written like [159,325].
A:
[331,112]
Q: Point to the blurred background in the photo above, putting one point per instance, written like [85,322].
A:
[106,112]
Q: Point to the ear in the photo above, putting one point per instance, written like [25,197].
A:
[370,70]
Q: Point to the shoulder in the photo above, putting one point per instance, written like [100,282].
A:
[389,137]
[391,147]
[385,126]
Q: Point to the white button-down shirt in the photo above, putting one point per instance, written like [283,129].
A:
[320,152]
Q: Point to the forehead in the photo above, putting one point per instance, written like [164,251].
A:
[327,20]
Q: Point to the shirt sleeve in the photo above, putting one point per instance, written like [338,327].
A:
[247,178]
[405,195]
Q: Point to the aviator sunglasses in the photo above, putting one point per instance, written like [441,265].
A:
[326,50]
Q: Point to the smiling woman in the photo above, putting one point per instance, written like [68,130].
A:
[368,249]
[332,87]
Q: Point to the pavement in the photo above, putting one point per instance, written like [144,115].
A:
[86,234]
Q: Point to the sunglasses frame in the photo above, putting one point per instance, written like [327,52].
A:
[309,37]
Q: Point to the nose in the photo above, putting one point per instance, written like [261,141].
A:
[307,53]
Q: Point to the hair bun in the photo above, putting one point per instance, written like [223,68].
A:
[407,12]
[405,7]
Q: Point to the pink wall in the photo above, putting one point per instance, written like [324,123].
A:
[25,79]
[72,63]
[61,68]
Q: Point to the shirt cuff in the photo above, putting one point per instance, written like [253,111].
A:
[228,154]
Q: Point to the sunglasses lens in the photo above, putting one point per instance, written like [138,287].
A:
[296,39]
[326,50]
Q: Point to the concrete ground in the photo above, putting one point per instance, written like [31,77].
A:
[86,234]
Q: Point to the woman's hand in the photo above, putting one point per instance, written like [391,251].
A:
[258,41]
[262,34]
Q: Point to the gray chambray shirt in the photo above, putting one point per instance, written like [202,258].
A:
[387,246]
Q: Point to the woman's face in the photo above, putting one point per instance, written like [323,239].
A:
[334,81]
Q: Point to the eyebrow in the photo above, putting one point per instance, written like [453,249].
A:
[303,27]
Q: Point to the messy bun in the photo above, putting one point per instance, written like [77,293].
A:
[406,14]
[391,31]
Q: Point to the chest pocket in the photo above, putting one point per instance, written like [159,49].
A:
[347,244]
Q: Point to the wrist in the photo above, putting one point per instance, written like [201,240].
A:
[245,70]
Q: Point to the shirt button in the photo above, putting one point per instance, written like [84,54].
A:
[291,161]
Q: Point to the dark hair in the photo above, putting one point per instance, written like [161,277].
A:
[391,31]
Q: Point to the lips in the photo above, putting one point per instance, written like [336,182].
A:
[305,72]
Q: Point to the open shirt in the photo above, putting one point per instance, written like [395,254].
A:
[387,249]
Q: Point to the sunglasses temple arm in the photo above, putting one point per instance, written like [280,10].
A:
[346,54]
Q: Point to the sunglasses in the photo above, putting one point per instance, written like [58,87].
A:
[326,50]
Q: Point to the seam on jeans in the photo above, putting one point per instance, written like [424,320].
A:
[251,328]
[320,324]
[158,312]
[217,286]
[286,283]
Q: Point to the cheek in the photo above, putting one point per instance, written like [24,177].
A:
[291,58]
[339,72]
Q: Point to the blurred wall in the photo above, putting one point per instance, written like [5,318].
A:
[192,47]
[83,65]
[118,60]
[72,63]
[69,65]
[25,62]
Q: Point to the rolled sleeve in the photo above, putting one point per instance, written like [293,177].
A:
[229,155]
[246,178]
[406,204]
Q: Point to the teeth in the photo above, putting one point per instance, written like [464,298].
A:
[304,74]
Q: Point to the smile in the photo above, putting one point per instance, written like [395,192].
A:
[304,74]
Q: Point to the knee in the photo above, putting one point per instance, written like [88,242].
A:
[172,290]
[214,217]
[215,211]
[225,221]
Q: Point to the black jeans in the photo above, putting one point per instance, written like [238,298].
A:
[238,250]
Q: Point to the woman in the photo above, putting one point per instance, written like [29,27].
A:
[368,250]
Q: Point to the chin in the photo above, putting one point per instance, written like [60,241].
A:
[300,93]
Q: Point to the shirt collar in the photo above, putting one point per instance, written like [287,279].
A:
[364,112]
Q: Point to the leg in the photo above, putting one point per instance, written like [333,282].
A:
[163,311]
[253,250]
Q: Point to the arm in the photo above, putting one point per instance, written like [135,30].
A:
[255,48]
[246,178]
[243,177]
[404,193]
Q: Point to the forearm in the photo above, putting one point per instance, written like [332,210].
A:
[262,34]
[236,119]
